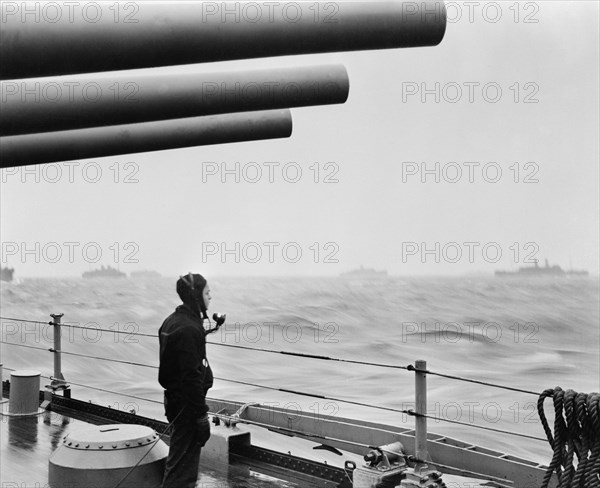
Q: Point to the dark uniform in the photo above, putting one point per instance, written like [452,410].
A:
[186,376]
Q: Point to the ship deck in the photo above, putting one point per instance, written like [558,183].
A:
[26,444]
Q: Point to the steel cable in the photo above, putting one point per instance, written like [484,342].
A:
[410,367]
[468,380]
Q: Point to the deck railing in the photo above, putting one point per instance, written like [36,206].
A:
[449,455]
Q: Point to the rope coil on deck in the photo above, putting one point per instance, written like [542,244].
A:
[576,432]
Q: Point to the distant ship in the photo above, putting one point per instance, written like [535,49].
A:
[104,272]
[547,270]
[6,274]
[145,275]
[364,273]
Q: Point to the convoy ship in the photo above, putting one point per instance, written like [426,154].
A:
[6,274]
[104,272]
[365,273]
[537,271]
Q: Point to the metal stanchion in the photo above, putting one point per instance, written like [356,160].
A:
[58,380]
[421,410]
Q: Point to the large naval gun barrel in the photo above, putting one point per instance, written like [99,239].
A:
[58,38]
[76,102]
[42,120]
[112,140]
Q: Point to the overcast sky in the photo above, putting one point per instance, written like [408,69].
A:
[369,204]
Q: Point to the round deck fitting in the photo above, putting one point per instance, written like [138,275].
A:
[102,455]
[24,397]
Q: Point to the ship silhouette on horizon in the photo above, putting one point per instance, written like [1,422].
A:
[104,272]
[364,273]
[537,271]
[6,274]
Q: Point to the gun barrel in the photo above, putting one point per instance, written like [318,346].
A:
[56,104]
[68,38]
[47,147]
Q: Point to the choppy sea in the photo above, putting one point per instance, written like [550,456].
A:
[530,335]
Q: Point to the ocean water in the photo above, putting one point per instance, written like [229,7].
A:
[530,335]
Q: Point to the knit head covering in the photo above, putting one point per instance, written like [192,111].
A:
[190,288]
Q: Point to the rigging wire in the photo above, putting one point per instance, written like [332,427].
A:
[410,367]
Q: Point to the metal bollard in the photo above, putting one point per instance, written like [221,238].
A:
[24,394]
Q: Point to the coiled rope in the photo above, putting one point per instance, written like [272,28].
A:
[576,432]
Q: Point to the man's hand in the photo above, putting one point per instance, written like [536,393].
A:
[203,429]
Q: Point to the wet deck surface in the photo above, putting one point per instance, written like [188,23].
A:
[26,444]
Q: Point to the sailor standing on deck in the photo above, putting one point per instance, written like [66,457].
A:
[186,376]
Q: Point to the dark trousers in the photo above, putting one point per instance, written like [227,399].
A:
[181,470]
